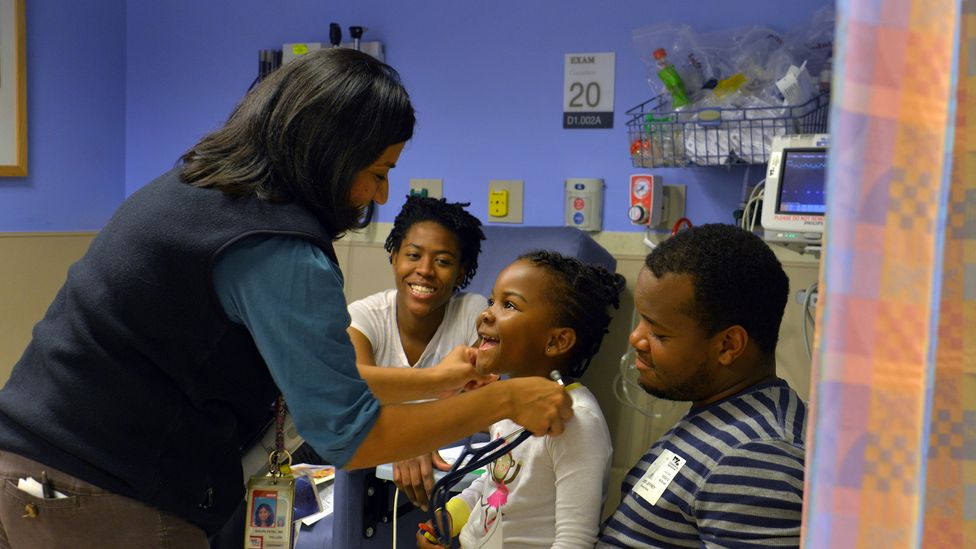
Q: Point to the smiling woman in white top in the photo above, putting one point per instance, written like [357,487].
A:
[434,247]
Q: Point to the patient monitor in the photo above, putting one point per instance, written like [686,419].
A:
[793,199]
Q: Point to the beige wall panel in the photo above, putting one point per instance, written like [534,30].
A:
[32,270]
[365,267]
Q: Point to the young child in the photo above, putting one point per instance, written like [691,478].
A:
[546,312]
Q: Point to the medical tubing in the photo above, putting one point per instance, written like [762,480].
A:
[396,497]
[751,210]
[808,317]
[622,382]
[479,458]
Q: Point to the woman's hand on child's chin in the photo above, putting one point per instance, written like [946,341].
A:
[458,372]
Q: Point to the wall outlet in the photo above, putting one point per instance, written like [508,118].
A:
[498,203]
[505,201]
[433,188]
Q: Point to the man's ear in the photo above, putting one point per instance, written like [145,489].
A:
[730,343]
[560,341]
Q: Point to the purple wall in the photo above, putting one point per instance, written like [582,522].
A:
[75,117]
[486,79]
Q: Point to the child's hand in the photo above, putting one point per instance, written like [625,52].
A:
[424,536]
[415,477]
[438,462]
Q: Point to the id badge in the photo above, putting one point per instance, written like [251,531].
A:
[659,475]
[270,504]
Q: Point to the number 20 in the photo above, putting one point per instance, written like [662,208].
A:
[591,88]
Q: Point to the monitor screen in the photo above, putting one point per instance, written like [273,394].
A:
[801,189]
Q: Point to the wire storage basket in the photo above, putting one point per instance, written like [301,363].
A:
[715,136]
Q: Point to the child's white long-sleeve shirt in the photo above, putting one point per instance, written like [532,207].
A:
[550,490]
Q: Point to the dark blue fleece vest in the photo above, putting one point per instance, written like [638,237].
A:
[135,380]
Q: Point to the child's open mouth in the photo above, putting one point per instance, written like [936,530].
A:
[487,343]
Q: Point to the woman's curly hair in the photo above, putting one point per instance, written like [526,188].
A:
[450,215]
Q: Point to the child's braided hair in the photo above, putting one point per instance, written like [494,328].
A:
[581,297]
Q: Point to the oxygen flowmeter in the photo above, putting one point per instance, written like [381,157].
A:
[646,199]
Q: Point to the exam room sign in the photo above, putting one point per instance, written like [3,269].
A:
[588,91]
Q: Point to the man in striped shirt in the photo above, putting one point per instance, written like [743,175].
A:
[730,473]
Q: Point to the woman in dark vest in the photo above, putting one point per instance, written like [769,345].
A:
[210,291]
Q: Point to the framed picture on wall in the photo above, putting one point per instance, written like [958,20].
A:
[13,89]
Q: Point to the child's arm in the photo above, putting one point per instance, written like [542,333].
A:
[462,505]
[581,463]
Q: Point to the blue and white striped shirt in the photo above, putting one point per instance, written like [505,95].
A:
[742,483]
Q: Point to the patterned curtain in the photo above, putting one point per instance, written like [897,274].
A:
[950,495]
[891,448]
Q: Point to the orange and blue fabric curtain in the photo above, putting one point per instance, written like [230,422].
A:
[891,447]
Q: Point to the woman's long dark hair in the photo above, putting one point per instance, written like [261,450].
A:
[304,133]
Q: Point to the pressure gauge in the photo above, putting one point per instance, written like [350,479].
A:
[640,188]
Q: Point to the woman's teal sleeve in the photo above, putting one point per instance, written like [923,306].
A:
[289,296]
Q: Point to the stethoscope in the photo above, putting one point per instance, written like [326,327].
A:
[471,459]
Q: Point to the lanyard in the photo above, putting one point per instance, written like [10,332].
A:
[279,462]
[270,499]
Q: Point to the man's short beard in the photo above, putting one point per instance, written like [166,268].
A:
[692,389]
